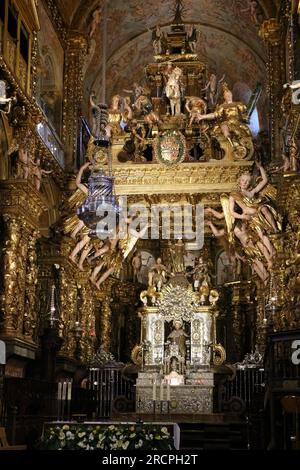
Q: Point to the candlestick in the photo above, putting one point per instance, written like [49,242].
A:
[161,391]
[168,391]
[64,390]
[59,390]
[69,390]
[154,390]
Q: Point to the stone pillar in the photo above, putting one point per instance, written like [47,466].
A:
[271,33]
[73,93]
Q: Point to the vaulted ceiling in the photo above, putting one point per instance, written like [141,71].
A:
[228,39]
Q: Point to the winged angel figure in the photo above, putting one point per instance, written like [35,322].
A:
[112,252]
[250,218]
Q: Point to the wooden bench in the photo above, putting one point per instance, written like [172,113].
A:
[4,445]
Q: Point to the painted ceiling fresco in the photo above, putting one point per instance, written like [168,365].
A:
[228,37]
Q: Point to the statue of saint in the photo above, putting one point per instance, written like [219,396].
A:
[192,38]
[200,273]
[178,336]
[177,252]
[231,130]
[157,275]
[174,91]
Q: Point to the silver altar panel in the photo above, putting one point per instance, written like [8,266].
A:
[201,338]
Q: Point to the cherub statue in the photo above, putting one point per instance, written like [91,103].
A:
[195,107]
[96,21]
[136,263]
[38,172]
[212,90]
[23,161]
[231,130]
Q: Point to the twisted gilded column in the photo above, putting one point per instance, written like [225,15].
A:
[271,33]
[73,93]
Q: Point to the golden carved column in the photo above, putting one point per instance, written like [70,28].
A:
[261,317]
[68,309]
[73,92]
[105,325]
[86,317]
[22,253]
[271,33]
[11,293]
[30,312]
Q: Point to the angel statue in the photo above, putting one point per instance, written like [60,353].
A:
[118,251]
[257,203]
[250,216]
[231,130]
[247,251]
[75,228]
